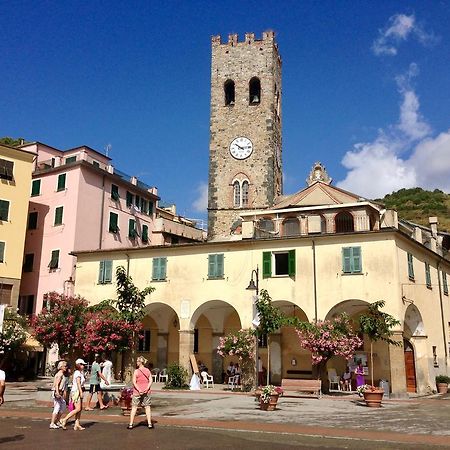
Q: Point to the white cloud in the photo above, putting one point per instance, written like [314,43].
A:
[201,203]
[400,28]
[403,156]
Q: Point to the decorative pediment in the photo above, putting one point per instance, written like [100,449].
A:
[318,173]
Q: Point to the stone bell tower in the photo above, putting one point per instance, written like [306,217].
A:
[245,171]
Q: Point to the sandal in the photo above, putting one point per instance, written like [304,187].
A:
[150,426]
[129,427]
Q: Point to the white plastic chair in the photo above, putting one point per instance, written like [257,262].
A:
[232,382]
[155,375]
[163,376]
[333,380]
[207,379]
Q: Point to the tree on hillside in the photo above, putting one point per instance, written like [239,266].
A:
[12,142]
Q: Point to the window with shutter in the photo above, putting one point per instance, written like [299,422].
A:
[159,269]
[113,222]
[428,275]
[105,272]
[28,262]
[144,233]
[35,188]
[61,182]
[115,192]
[54,261]
[351,260]
[129,199]
[291,255]
[2,251]
[6,169]
[215,266]
[71,159]
[58,216]
[4,210]
[32,220]
[410,266]
[150,208]
[132,233]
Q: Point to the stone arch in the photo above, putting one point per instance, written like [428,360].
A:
[163,323]
[413,323]
[211,321]
[344,222]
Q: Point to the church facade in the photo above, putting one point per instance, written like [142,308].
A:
[319,252]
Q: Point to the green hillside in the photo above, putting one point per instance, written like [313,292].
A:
[417,205]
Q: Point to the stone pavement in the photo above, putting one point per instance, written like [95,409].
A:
[420,420]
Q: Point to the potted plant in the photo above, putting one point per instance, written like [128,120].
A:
[268,397]
[126,395]
[442,382]
[377,326]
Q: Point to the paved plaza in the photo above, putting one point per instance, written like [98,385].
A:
[234,419]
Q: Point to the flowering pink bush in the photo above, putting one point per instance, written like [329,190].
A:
[240,344]
[328,338]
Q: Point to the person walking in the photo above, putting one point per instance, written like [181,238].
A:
[94,384]
[59,404]
[2,387]
[142,382]
[359,372]
[106,366]
[76,395]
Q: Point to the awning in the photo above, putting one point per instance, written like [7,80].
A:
[32,345]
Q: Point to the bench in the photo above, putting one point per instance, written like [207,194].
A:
[291,385]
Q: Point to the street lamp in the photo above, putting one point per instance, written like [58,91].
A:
[254,286]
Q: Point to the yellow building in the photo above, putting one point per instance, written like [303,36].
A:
[317,257]
[16,166]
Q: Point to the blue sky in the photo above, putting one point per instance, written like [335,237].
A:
[366,87]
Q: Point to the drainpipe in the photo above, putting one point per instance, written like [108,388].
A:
[444,334]
[102,215]
[314,279]
[128,263]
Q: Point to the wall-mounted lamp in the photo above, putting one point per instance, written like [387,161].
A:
[435,361]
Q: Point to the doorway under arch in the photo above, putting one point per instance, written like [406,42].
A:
[410,367]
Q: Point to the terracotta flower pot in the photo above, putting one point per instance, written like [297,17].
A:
[374,398]
[271,405]
[442,388]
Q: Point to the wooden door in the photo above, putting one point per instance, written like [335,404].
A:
[410,368]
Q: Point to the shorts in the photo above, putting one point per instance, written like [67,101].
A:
[59,405]
[94,388]
[141,400]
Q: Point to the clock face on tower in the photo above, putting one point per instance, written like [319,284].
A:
[241,148]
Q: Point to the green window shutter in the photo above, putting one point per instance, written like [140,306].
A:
[211,266]
[427,275]
[61,182]
[219,266]
[346,260]
[291,263]
[144,233]
[32,220]
[101,271]
[155,272]
[35,188]
[267,264]
[59,215]
[107,271]
[115,192]
[410,266]
[113,225]
[4,209]
[162,268]
[444,283]
[150,208]
[356,259]
[54,261]
[137,201]
[2,252]
[131,228]
[129,199]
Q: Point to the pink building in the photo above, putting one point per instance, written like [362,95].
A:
[79,201]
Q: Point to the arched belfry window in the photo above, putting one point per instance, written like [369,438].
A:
[228,88]
[254,88]
[291,227]
[237,194]
[344,222]
[245,194]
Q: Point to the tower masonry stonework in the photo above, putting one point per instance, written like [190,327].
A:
[245,166]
